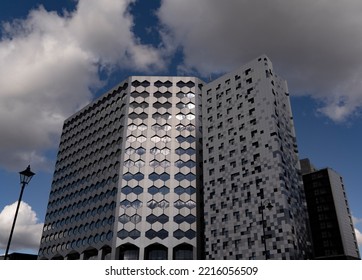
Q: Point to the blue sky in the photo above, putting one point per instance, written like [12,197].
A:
[56,56]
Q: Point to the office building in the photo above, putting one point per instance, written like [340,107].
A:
[171,168]
[127,174]
[252,181]
[331,225]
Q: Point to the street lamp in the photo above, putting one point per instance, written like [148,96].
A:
[265,204]
[25,177]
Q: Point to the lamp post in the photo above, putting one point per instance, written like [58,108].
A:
[25,177]
[265,204]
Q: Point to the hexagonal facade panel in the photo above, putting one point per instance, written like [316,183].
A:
[150,234]
[162,234]
[178,234]
[190,234]
[134,234]
[122,234]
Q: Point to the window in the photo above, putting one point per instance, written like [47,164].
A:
[183,252]
[235,202]
[234,175]
[156,252]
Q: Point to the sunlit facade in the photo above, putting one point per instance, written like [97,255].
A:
[127,175]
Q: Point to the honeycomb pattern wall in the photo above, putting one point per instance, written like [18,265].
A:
[159,170]
[81,210]
[126,177]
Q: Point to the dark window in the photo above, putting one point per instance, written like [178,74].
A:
[156,252]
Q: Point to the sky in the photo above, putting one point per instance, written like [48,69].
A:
[57,56]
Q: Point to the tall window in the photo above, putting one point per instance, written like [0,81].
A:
[183,252]
[129,252]
[156,252]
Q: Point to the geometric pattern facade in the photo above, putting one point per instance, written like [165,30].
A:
[81,210]
[160,165]
[127,174]
[251,159]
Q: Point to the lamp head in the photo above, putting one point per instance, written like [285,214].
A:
[26,175]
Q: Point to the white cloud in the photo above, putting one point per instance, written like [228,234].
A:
[315,45]
[356,220]
[358,236]
[49,66]
[27,232]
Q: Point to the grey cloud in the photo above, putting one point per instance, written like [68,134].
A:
[315,45]
[49,67]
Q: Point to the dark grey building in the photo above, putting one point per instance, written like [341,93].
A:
[331,225]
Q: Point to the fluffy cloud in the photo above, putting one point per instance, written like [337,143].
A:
[27,232]
[316,45]
[358,236]
[356,220]
[50,63]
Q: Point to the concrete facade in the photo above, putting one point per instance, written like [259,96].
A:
[251,160]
